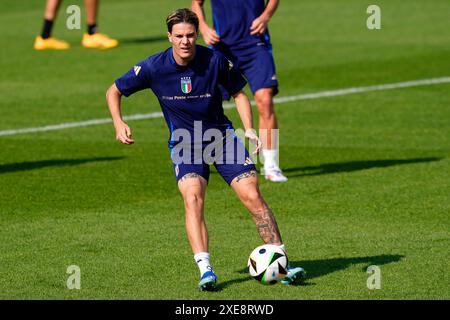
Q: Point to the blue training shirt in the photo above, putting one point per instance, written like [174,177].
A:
[186,93]
[233,19]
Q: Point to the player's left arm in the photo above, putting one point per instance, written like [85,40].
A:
[259,25]
[245,113]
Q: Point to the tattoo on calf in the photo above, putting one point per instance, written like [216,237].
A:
[266,225]
[244,175]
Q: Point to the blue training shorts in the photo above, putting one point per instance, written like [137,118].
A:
[230,159]
[256,63]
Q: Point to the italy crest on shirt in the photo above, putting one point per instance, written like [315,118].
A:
[186,84]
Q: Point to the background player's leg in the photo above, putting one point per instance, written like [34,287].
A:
[268,131]
[267,117]
[45,40]
[51,9]
[91,11]
[258,66]
[94,39]
[246,187]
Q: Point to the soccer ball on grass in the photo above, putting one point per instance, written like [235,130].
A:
[267,264]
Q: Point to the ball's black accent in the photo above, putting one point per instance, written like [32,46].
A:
[281,269]
[261,251]
[259,276]
[253,264]
[275,256]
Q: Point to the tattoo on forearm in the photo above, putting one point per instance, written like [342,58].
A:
[267,225]
[190,175]
[244,175]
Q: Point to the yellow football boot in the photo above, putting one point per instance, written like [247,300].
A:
[50,44]
[98,41]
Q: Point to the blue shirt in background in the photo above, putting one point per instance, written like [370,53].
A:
[232,21]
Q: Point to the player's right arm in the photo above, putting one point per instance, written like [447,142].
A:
[259,25]
[136,79]
[209,34]
[123,131]
[245,113]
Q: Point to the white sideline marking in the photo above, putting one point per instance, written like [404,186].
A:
[307,96]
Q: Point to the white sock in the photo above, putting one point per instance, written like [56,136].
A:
[270,158]
[202,260]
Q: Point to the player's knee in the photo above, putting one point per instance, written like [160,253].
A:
[253,199]
[265,105]
[193,201]
[263,98]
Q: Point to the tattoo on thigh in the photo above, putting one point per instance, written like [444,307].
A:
[244,175]
[266,225]
[190,175]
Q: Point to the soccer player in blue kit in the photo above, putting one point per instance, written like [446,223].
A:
[240,33]
[185,78]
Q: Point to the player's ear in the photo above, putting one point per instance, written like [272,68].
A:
[169,35]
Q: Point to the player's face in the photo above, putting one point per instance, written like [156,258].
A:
[183,38]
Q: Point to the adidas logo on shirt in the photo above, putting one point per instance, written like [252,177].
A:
[248,161]
[230,65]
[136,70]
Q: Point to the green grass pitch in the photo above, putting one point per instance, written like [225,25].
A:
[369,173]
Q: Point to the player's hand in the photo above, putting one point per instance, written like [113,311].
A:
[253,137]
[259,25]
[210,36]
[123,133]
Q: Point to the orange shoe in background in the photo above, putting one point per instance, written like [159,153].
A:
[98,41]
[50,44]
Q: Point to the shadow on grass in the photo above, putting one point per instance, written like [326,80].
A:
[142,40]
[351,166]
[322,267]
[223,285]
[32,165]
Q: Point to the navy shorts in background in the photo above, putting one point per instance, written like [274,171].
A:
[230,163]
[256,63]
